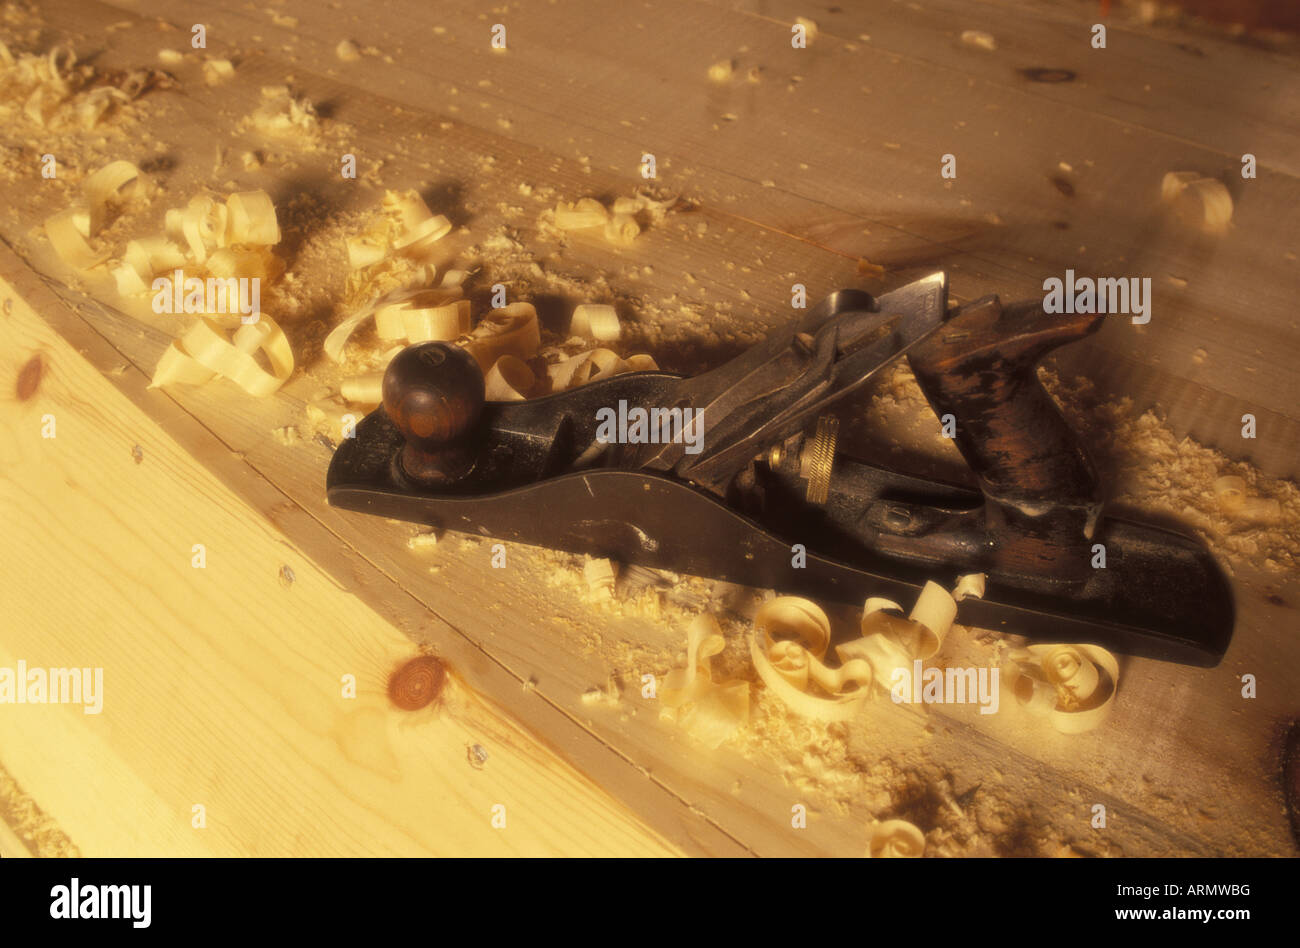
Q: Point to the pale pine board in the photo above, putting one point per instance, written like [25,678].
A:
[222,687]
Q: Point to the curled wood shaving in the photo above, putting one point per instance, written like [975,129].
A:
[972,585]
[1072,686]
[593,365]
[891,644]
[585,213]
[894,839]
[509,380]
[622,229]
[365,250]
[585,367]
[407,230]
[506,339]
[96,104]
[365,389]
[47,81]
[204,222]
[143,259]
[502,343]
[115,184]
[206,351]
[510,330]
[599,322]
[791,618]
[230,239]
[711,711]
[414,228]
[423,315]
[596,321]
[1230,492]
[250,219]
[641,362]
[791,636]
[410,315]
[393,254]
[789,640]
[229,242]
[71,230]
[69,234]
[1231,495]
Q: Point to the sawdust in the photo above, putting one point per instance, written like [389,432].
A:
[890,762]
[52,104]
[1154,470]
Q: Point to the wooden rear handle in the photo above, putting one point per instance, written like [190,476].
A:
[980,368]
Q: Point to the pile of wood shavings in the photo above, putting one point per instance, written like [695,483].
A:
[1157,471]
[885,764]
[52,90]
[52,104]
[1148,466]
[882,764]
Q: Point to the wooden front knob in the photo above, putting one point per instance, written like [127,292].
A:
[433,393]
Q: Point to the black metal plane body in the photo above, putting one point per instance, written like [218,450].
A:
[531,491]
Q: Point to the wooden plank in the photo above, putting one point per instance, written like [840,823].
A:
[222,685]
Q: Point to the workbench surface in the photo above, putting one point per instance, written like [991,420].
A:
[225,729]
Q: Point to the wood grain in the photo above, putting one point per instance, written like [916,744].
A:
[223,685]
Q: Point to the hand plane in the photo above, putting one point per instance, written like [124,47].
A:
[754,471]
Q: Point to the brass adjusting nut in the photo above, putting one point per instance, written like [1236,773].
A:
[817,458]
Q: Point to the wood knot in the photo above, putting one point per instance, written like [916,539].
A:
[29,377]
[418,683]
